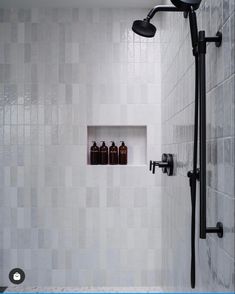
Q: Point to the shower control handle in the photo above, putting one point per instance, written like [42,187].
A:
[166,164]
[153,164]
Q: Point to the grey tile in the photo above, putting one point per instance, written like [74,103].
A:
[113,197]
[140,197]
[226,50]
[232,40]
[229,166]
[4,15]
[226,10]
[10,93]
[231,7]
[92,197]
[217,14]
[68,94]
[228,97]
[24,15]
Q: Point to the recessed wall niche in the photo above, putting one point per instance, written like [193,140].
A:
[135,138]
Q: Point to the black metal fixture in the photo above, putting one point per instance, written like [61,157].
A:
[199,42]
[187,5]
[167,164]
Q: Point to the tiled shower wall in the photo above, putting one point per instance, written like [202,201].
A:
[64,222]
[215,257]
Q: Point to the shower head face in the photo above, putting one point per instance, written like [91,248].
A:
[144,28]
[186,4]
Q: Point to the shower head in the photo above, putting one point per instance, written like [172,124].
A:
[186,5]
[144,28]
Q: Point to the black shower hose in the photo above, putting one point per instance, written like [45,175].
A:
[193,175]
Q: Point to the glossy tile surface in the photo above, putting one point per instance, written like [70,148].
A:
[64,222]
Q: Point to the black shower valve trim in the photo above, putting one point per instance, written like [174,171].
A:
[166,164]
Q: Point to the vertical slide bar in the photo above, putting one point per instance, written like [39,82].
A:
[202,61]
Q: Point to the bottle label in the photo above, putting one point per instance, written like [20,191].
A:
[123,152]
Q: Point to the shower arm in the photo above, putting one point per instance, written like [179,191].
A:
[158,8]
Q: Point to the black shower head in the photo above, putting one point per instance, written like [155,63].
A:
[186,5]
[144,28]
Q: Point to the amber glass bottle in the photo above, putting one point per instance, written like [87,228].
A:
[103,153]
[123,153]
[94,154]
[113,154]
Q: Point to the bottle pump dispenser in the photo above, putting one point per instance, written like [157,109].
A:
[123,154]
[103,154]
[113,154]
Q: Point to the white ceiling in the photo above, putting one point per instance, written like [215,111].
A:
[80,3]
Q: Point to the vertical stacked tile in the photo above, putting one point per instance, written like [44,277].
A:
[215,257]
[64,222]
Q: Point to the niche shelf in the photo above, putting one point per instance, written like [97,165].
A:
[135,138]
